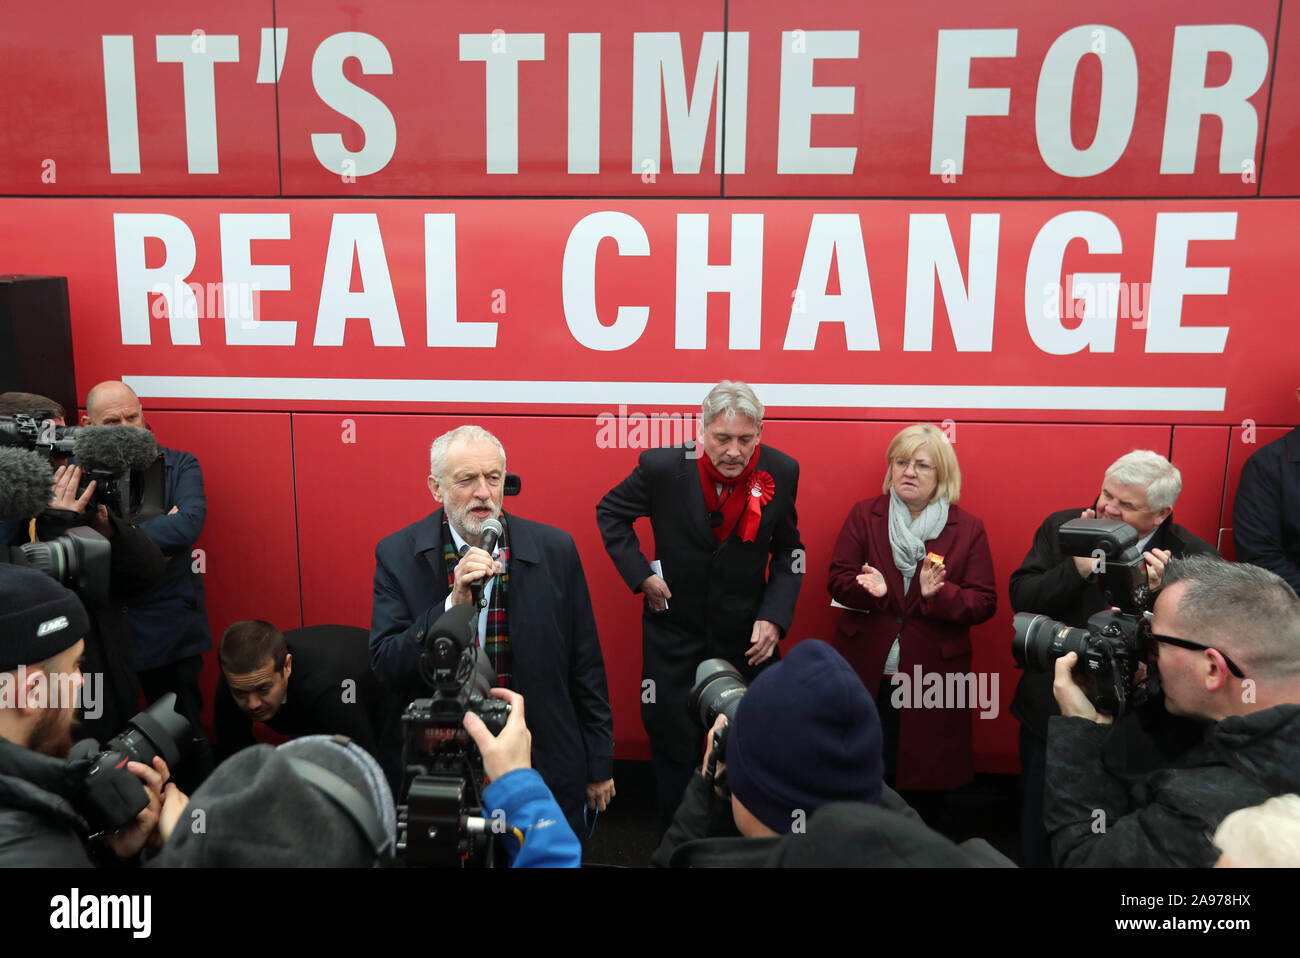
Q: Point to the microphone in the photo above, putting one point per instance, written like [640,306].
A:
[114,450]
[490,533]
[26,484]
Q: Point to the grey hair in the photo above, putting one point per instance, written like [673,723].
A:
[730,398]
[438,451]
[1250,613]
[1153,472]
[1264,836]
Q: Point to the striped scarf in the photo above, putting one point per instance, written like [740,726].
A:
[496,643]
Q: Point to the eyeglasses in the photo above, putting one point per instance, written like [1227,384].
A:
[1197,647]
[922,468]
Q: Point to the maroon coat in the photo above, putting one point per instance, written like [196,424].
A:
[934,744]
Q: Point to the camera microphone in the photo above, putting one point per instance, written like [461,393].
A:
[114,450]
[26,484]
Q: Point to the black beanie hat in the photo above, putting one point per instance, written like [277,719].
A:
[38,617]
[806,734]
[257,809]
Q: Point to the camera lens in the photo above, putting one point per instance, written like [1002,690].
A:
[1039,641]
[718,691]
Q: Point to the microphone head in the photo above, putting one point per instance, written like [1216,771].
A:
[115,449]
[491,533]
[26,483]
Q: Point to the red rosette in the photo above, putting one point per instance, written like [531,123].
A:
[760,492]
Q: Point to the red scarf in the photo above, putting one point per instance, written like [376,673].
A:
[747,493]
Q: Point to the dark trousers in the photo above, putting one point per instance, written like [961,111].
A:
[1035,849]
[183,678]
[671,779]
[932,806]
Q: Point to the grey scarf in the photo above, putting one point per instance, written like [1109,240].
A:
[908,536]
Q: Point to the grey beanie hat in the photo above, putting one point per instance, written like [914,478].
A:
[259,808]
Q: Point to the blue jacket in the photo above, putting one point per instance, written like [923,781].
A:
[1266,513]
[170,622]
[558,665]
[528,805]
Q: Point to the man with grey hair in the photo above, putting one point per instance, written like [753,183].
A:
[1227,648]
[536,626]
[1139,488]
[728,568]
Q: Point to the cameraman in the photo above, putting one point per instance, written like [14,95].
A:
[1139,488]
[135,565]
[806,736]
[41,645]
[1227,649]
[168,625]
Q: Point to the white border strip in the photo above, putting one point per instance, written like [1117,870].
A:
[484,392]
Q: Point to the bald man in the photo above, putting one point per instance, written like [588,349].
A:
[169,624]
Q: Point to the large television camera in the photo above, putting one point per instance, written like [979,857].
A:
[440,820]
[124,462]
[1117,640]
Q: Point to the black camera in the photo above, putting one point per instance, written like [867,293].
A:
[440,817]
[111,796]
[124,462]
[41,434]
[79,561]
[1116,641]
[718,691]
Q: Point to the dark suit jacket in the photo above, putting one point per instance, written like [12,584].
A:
[317,701]
[1047,582]
[170,622]
[934,747]
[718,590]
[1266,513]
[557,662]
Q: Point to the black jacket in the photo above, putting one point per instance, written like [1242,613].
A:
[1096,817]
[318,701]
[557,661]
[1048,583]
[1266,512]
[718,590]
[136,564]
[38,826]
[840,834]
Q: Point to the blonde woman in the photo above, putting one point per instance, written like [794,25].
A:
[915,572]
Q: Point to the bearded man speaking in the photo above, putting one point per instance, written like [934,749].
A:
[729,564]
[537,626]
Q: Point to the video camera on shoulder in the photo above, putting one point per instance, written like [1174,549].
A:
[440,818]
[124,462]
[1117,640]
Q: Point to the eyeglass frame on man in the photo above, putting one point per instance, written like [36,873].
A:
[1198,647]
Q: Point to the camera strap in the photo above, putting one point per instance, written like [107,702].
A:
[348,799]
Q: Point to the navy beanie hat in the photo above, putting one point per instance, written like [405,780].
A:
[806,734]
[38,617]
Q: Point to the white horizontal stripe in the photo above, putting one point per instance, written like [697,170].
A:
[609,394]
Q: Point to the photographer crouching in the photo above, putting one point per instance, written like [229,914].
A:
[800,782]
[53,812]
[1225,642]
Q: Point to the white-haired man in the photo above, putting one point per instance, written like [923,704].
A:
[1139,488]
[537,629]
[727,540]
